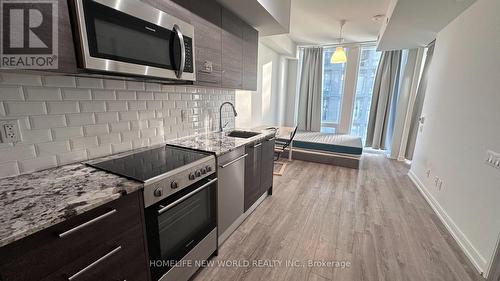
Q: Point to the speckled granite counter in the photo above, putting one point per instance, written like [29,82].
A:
[218,142]
[32,202]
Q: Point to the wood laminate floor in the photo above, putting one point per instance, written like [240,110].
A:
[374,218]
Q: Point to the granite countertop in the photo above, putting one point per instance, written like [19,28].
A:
[218,142]
[32,202]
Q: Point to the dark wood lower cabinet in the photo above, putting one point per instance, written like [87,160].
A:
[258,170]
[46,255]
[267,167]
[252,174]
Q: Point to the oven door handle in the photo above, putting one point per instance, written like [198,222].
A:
[179,35]
[178,201]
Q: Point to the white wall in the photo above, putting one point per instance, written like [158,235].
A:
[266,105]
[462,111]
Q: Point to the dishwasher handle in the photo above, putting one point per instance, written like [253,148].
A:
[234,161]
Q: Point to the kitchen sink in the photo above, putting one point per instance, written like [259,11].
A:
[242,134]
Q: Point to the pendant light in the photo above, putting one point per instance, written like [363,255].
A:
[339,55]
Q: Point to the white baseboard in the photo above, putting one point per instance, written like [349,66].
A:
[470,251]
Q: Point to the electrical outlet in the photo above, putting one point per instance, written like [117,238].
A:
[493,159]
[9,131]
[428,173]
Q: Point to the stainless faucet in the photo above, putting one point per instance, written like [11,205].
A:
[220,114]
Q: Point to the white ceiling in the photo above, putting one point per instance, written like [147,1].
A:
[317,21]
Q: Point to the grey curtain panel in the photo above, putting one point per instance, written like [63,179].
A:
[384,101]
[418,105]
[309,113]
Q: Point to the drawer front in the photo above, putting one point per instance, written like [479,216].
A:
[118,260]
[40,254]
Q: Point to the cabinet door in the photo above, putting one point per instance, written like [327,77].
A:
[177,8]
[250,54]
[267,165]
[252,174]
[206,19]
[232,50]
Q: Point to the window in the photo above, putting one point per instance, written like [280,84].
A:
[333,91]
[368,63]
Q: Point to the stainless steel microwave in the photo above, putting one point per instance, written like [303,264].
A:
[130,37]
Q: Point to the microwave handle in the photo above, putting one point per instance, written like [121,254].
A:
[179,35]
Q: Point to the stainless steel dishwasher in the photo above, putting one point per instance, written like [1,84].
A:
[230,193]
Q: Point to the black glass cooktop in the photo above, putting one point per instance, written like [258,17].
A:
[148,164]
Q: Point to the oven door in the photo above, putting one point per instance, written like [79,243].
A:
[131,37]
[177,224]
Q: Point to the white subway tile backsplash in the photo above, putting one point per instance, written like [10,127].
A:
[120,147]
[86,82]
[80,119]
[36,136]
[76,94]
[100,151]
[52,148]
[16,79]
[92,106]
[17,152]
[114,84]
[67,133]
[103,95]
[59,81]
[116,105]
[145,96]
[119,127]
[9,169]
[125,95]
[106,117]
[66,119]
[109,139]
[134,85]
[47,121]
[40,163]
[95,130]
[83,142]
[72,157]
[11,93]
[136,105]
[24,108]
[56,107]
[128,115]
[42,94]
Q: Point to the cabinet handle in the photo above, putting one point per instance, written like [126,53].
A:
[234,161]
[208,81]
[94,220]
[271,139]
[257,145]
[176,202]
[90,266]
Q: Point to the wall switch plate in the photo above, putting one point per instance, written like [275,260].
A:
[493,159]
[9,131]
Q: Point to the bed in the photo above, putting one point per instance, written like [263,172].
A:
[335,149]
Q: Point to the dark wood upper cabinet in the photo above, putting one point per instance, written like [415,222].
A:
[232,50]
[206,19]
[177,8]
[250,57]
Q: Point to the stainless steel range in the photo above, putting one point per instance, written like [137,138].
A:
[180,206]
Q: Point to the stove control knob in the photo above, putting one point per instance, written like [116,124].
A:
[208,168]
[198,173]
[203,171]
[174,185]
[191,176]
[158,192]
